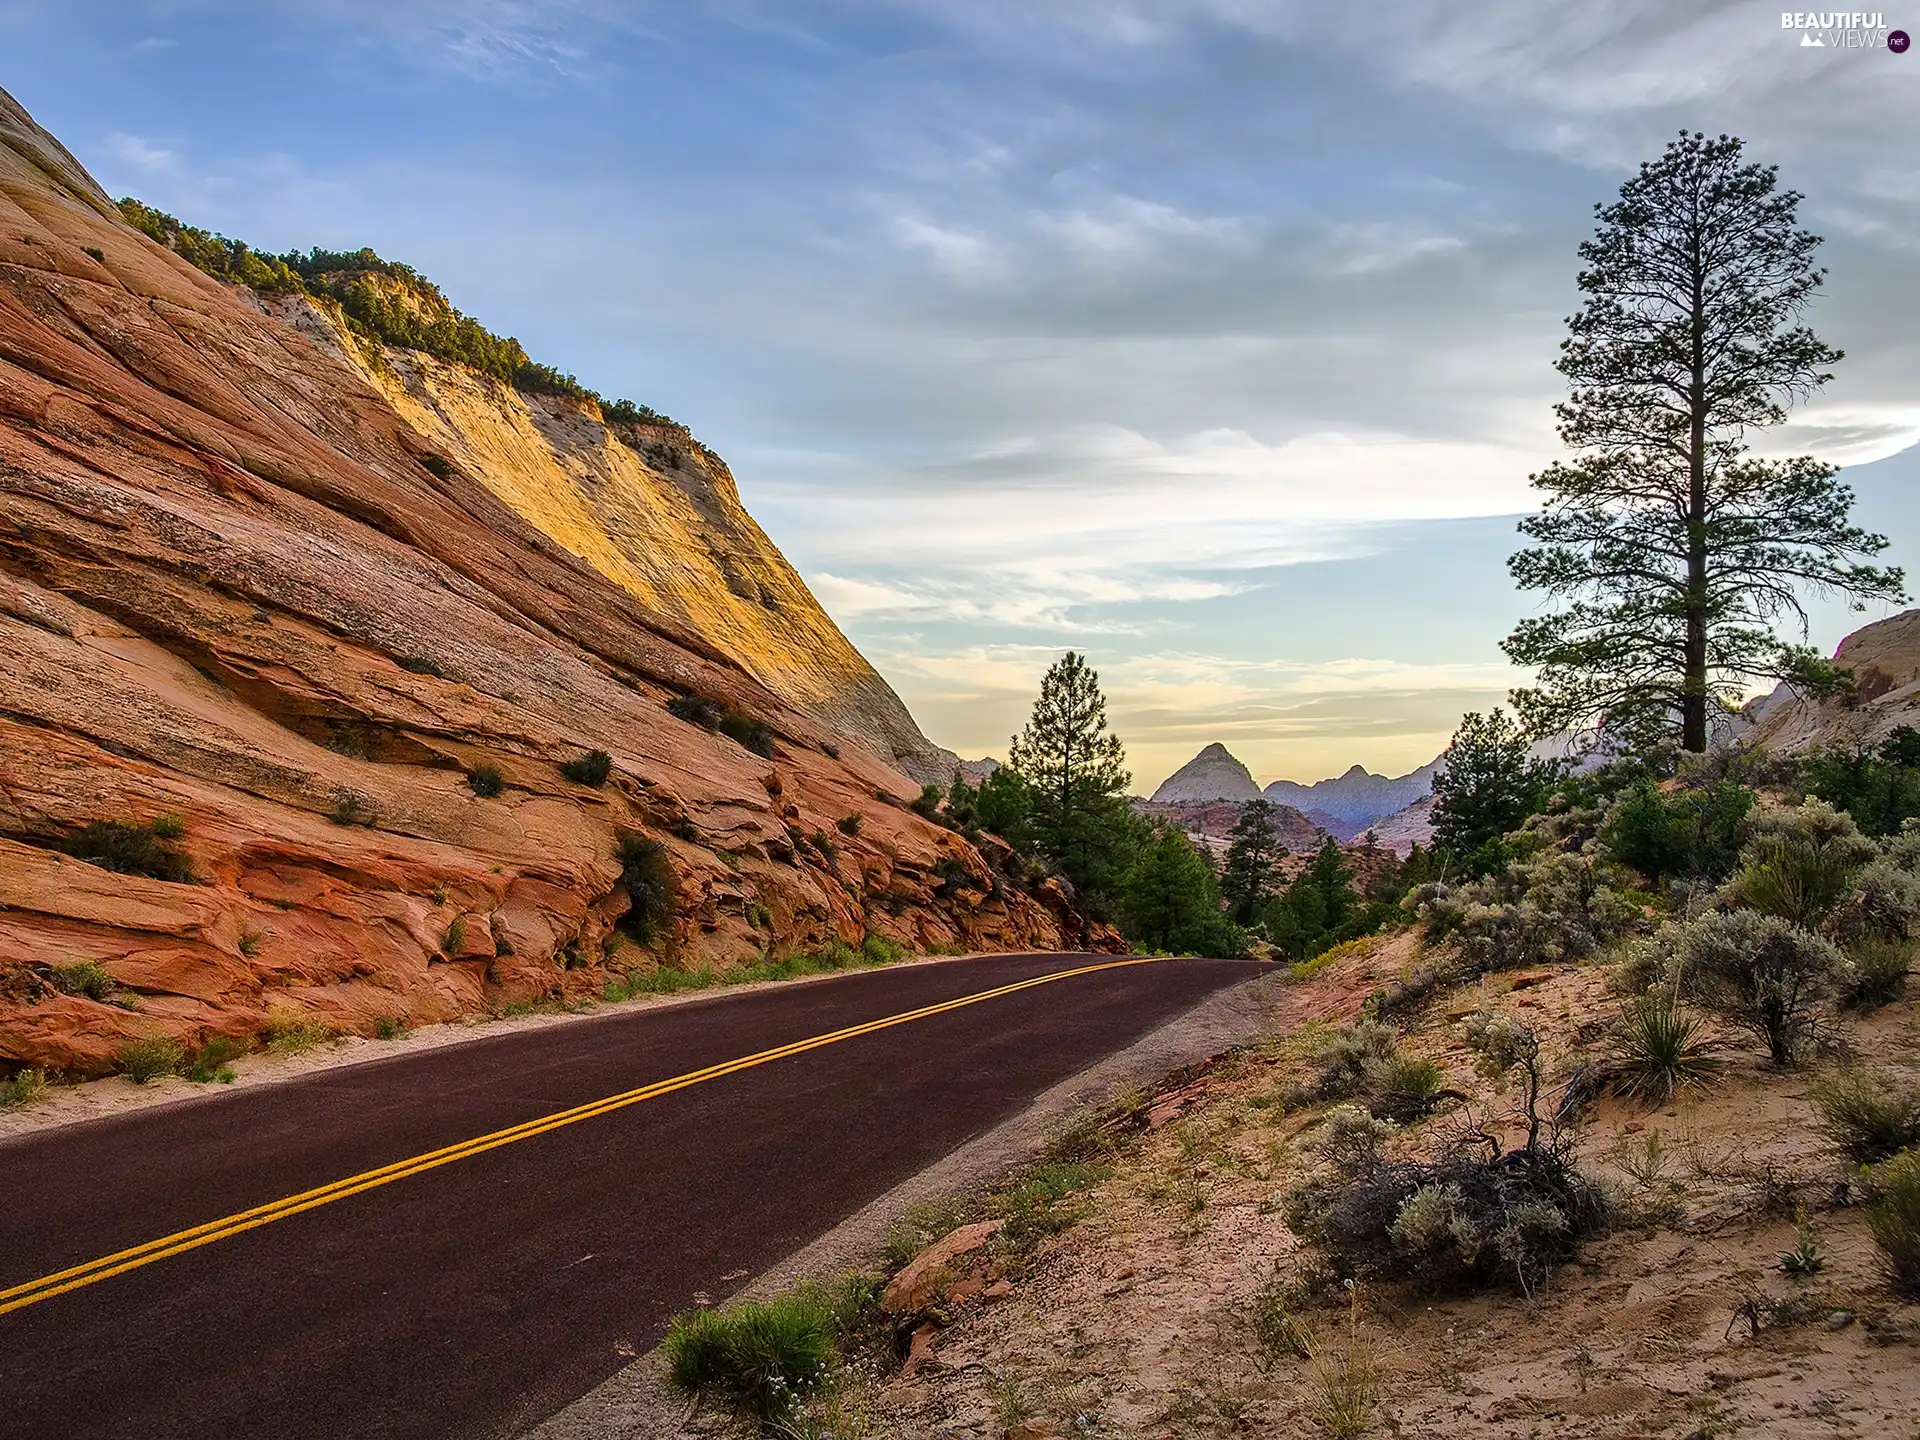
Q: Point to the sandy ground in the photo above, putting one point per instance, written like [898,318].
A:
[114,1095]
[1139,1322]
[633,1405]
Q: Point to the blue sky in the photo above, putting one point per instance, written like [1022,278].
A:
[1210,337]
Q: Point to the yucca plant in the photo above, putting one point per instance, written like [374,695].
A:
[1662,1049]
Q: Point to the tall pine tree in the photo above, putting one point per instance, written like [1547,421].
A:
[1247,881]
[1678,551]
[1075,769]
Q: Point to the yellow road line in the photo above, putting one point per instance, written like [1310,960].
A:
[32,1292]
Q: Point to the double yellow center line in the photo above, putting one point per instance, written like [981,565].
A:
[32,1292]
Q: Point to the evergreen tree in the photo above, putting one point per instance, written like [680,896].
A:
[1076,771]
[1247,882]
[1315,910]
[1488,785]
[1004,803]
[1170,899]
[1676,549]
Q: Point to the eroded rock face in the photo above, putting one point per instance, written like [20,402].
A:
[239,586]
[1885,660]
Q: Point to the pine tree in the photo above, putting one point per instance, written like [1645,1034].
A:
[1488,785]
[1247,881]
[1678,551]
[1076,770]
[1170,900]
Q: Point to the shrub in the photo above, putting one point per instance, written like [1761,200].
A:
[486,781]
[1344,1059]
[1870,1114]
[592,768]
[1403,1088]
[848,824]
[213,1062]
[131,849]
[86,978]
[389,1027]
[1759,971]
[150,1057]
[1894,1220]
[420,664]
[879,950]
[1879,787]
[1875,972]
[1800,862]
[349,809]
[742,729]
[928,804]
[1661,1049]
[1689,834]
[1541,912]
[24,1088]
[288,1032]
[754,1362]
[647,877]
[1882,903]
[695,710]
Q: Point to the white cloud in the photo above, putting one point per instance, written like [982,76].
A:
[142,154]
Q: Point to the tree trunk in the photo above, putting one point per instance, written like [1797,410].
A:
[1693,690]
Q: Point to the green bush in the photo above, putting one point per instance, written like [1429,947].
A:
[486,781]
[86,978]
[150,1058]
[1879,787]
[1690,834]
[288,1032]
[1893,1219]
[1870,1114]
[848,824]
[1801,862]
[1759,971]
[1402,1088]
[755,1363]
[214,1060]
[647,877]
[131,849]
[1661,1049]
[24,1087]
[592,768]
[743,730]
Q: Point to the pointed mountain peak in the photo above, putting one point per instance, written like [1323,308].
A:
[1213,774]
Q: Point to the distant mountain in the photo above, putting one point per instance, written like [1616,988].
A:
[1354,799]
[1213,774]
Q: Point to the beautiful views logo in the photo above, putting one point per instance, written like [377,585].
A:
[1844,30]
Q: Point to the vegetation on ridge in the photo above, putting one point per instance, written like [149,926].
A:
[386,302]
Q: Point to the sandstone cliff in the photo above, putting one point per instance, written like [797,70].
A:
[299,618]
[1885,660]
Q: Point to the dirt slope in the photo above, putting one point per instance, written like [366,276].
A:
[238,587]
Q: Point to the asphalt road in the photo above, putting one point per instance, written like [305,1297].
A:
[479,1296]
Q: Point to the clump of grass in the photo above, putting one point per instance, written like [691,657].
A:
[592,768]
[1280,1333]
[456,936]
[24,1088]
[755,1363]
[249,943]
[151,1057]
[1346,1383]
[288,1032]
[1044,1201]
[389,1027]
[920,1225]
[1893,1219]
[879,950]
[1870,1113]
[486,781]
[87,979]
[213,1062]
[1662,1049]
[145,850]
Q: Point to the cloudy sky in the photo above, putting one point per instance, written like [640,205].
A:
[1212,338]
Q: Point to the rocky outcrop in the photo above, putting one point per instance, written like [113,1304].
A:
[1885,660]
[1213,821]
[1213,774]
[250,595]
[1357,798]
[653,511]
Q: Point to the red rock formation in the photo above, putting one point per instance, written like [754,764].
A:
[232,590]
